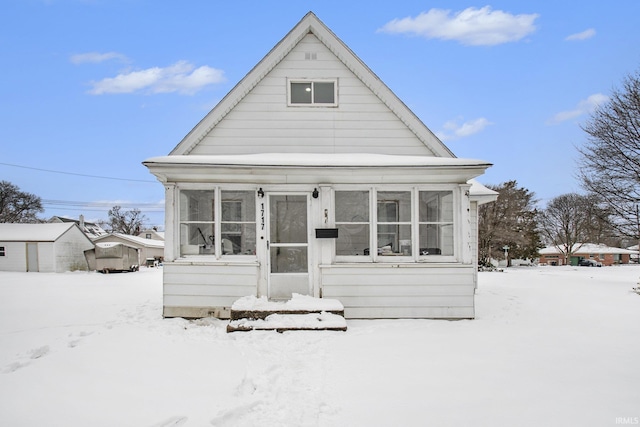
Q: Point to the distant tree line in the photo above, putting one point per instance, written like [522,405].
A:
[608,212]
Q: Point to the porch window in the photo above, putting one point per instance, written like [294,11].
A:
[238,222]
[385,226]
[217,222]
[197,222]
[317,92]
[352,221]
[436,222]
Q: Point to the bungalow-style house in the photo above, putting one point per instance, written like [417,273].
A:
[50,248]
[604,254]
[311,177]
[147,248]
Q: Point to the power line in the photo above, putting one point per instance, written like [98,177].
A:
[79,174]
[100,206]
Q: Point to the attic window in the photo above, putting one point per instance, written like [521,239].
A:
[313,92]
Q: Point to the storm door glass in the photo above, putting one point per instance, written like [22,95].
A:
[288,234]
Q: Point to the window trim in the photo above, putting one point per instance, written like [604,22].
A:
[217,222]
[312,81]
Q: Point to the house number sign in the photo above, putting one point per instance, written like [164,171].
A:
[262,215]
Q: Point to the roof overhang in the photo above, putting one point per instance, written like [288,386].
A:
[301,168]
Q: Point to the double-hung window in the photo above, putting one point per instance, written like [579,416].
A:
[352,221]
[217,222]
[197,222]
[436,222]
[238,222]
[313,93]
[394,223]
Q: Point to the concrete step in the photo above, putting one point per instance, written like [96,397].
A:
[300,313]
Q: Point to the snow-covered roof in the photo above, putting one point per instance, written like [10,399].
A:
[341,160]
[587,248]
[141,241]
[480,193]
[10,232]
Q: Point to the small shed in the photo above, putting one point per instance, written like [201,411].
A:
[604,254]
[148,248]
[57,247]
[113,257]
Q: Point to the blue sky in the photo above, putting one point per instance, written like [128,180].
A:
[91,88]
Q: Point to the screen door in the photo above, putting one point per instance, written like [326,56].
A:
[288,246]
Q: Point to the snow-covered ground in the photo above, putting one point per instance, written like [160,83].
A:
[551,346]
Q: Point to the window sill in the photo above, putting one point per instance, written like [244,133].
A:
[398,264]
[211,259]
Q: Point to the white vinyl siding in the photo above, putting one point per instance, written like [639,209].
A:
[194,290]
[263,121]
[433,291]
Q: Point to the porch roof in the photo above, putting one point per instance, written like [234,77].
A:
[332,160]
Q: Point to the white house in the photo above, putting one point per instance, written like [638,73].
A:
[56,247]
[311,177]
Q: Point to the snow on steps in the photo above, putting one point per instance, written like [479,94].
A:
[300,313]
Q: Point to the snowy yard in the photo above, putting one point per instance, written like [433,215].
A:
[552,346]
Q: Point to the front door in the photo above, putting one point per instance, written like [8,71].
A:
[288,246]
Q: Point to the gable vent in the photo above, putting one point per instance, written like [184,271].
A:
[311,56]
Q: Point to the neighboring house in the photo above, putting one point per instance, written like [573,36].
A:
[148,248]
[311,177]
[89,228]
[607,255]
[152,234]
[43,247]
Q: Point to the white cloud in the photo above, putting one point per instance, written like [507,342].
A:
[454,130]
[586,106]
[181,77]
[472,26]
[586,34]
[96,57]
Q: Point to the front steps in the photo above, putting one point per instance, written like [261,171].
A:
[300,313]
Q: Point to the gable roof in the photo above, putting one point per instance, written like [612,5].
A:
[311,24]
[90,228]
[10,232]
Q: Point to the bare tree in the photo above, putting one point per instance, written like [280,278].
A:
[125,222]
[509,221]
[18,206]
[566,223]
[610,159]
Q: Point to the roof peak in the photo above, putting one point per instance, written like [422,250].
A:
[310,23]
